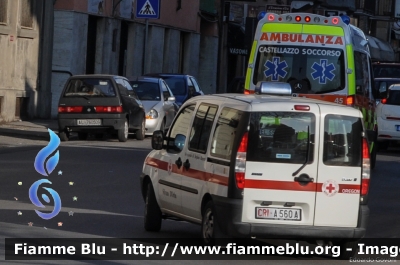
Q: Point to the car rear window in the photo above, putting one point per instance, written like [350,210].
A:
[281,137]
[386,71]
[146,90]
[342,141]
[90,87]
[176,84]
[394,97]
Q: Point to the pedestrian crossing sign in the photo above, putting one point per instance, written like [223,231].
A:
[148,9]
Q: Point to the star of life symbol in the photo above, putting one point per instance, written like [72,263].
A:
[275,68]
[323,71]
[330,188]
[169,167]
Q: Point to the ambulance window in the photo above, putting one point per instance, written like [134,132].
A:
[201,129]
[225,132]
[179,130]
[308,69]
[342,141]
[362,73]
[275,63]
[281,137]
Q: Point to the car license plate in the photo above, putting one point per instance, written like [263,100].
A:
[397,127]
[278,213]
[91,122]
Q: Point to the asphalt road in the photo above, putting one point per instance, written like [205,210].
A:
[105,176]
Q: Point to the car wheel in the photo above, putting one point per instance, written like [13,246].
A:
[123,132]
[152,212]
[209,227]
[82,136]
[373,156]
[344,245]
[141,133]
[64,135]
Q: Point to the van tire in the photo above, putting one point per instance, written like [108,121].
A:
[344,254]
[152,212]
[123,132]
[210,232]
[63,135]
[141,132]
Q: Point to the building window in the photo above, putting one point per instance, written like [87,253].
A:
[27,13]
[3,11]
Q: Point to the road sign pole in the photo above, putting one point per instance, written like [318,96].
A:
[145,46]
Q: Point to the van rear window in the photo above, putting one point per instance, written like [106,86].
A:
[90,87]
[281,137]
[342,141]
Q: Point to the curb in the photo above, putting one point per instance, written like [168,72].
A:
[36,135]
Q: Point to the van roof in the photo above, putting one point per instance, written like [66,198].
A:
[256,100]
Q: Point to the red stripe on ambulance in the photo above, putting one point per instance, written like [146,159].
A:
[295,186]
[191,173]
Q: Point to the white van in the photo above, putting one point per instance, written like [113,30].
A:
[261,166]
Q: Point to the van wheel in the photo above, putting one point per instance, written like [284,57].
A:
[152,212]
[209,227]
[64,135]
[123,132]
[344,245]
[82,136]
[141,133]
[373,156]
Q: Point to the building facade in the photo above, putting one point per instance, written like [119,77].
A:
[25,52]
[42,43]
[106,37]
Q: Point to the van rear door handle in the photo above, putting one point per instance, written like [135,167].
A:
[303,179]
[186,165]
[178,163]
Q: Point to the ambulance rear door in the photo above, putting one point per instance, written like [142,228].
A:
[281,164]
[339,170]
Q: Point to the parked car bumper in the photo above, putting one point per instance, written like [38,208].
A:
[152,125]
[228,214]
[108,122]
[387,130]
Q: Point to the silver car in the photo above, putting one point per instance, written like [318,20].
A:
[158,101]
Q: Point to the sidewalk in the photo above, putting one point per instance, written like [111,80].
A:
[32,129]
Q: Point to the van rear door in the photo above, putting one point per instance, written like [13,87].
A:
[339,170]
[281,164]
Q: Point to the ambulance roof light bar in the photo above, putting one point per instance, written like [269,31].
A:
[273,88]
[307,18]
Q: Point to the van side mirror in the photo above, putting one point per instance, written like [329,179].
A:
[157,140]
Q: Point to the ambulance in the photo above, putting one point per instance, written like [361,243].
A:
[262,165]
[323,58]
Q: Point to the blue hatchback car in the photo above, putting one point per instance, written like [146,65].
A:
[182,86]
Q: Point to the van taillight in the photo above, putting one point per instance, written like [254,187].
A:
[248,92]
[350,100]
[366,169]
[74,109]
[240,165]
